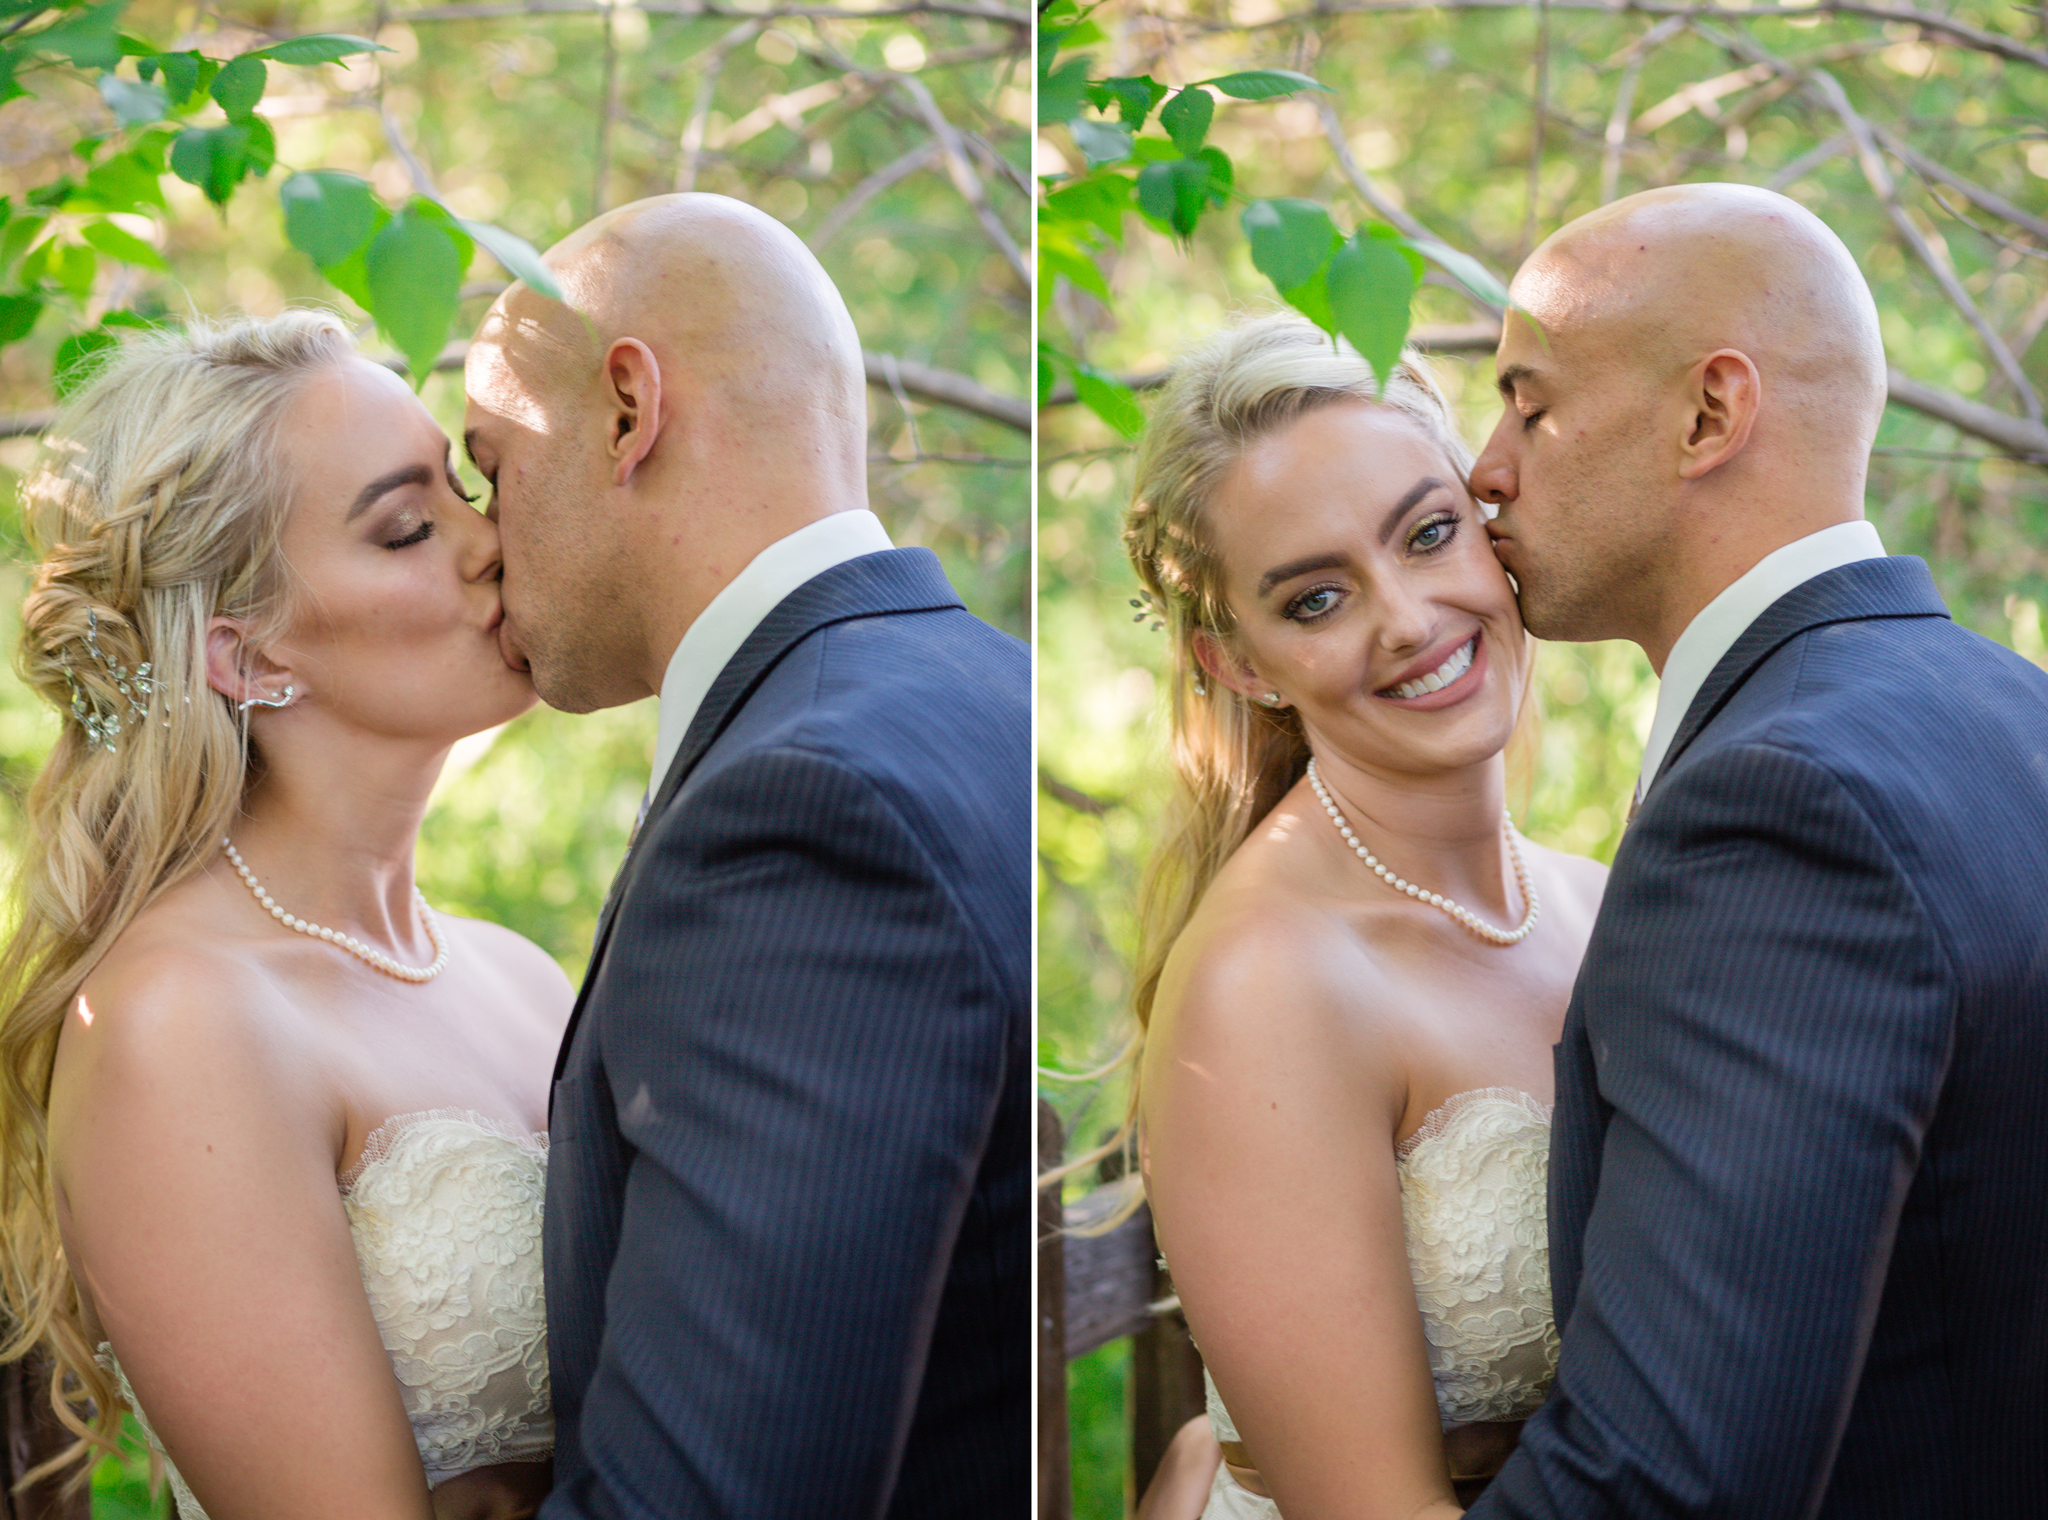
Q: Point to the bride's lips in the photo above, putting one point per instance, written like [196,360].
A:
[509,652]
[1452,692]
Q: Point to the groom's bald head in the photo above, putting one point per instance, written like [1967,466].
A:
[697,394]
[1693,378]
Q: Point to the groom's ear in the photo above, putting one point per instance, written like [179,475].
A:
[632,396]
[1721,406]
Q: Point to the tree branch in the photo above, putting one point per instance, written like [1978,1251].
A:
[1921,164]
[1381,202]
[2020,437]
[1934,26]
[487,10]
[923,156]
[1624,102]
[692,142]
[940,387]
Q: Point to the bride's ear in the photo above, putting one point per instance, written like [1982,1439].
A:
[239,670]
[1226,669]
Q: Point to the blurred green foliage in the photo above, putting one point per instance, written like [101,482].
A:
[1437,110]
[533,121]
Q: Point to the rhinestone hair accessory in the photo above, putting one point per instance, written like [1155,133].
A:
[102,724]
[1149,610]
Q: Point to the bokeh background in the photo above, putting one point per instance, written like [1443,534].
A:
[892,137]
[1491,125]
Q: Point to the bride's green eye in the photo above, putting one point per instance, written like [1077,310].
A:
[1316,602]
[1434,532]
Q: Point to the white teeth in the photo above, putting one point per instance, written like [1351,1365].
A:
[1459,662]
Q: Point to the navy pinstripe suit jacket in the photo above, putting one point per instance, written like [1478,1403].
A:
[789,1193]
[1799,1179]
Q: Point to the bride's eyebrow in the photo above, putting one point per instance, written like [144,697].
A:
[1292,568]
[1415,493]
[408,475]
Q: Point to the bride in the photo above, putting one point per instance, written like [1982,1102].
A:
[272,1127]
[1349,991]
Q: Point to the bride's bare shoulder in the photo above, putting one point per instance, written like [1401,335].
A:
[1267,961]
[172,1008]
[525,974]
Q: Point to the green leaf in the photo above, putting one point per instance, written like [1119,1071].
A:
[1111,400]
[72,266]
[414,270]
[1101,142]
[18,234]
[1370,283]
[17,315]
[127,182]
[328,215]
[239,86]
[181,73]
[1062,92]
[433,210]
[1290,240]
[116,243]
[37,264]
[262,146]
[1263,84]
[1100,200]
[9,88]
[131,101]
[1058,255]
[91,38]
[1312,299]
[74,364]
[1186,118]
[1465,269]
[1048,372]
[318,47]
[214,158]
[352,275]
[1134,95]
[1177,192]
[518,257]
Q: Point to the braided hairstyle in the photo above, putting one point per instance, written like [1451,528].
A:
[158,506]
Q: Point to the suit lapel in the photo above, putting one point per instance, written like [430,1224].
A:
[895,580]
[1895,586]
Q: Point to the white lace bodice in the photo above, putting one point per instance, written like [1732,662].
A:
[1473,1183]
[445,1211]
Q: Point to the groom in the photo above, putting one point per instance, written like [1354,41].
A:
[787,1243]
[1798,1189]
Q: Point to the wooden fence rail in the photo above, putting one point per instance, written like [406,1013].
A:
[1094,1289]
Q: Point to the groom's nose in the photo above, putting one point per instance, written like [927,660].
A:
[1494,477]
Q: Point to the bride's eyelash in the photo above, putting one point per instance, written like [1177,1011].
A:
[1448,521]
[455,484]
[418,535]
[1296,608]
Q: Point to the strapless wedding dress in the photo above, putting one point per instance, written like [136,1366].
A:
[445,1210]
[1473,1184]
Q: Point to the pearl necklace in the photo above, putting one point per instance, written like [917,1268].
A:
[374,957]
[1462,914]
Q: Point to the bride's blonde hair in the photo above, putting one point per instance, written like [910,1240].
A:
[158,506]
[1233,759]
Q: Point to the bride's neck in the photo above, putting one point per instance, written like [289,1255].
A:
[1441,829]
[329,829]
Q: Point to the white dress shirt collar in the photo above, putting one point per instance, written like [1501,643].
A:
[1713,632]
[715,637]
